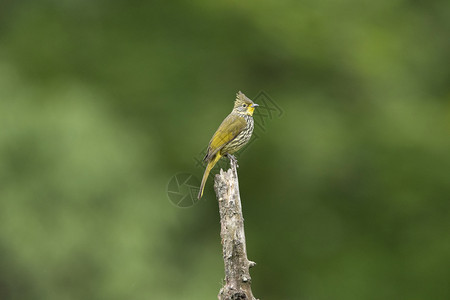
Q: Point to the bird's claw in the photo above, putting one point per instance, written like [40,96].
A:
[233,159]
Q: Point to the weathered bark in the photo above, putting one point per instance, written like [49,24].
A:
[237,275]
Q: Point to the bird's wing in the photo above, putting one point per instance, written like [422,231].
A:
[227,131]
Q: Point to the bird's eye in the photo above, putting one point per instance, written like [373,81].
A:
[244,105]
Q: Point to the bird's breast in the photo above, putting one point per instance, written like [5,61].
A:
[241,139]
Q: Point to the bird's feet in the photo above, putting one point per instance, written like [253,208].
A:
[233,160]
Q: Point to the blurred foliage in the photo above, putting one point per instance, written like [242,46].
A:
[346,196]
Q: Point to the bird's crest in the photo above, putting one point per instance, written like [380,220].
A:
[241,99]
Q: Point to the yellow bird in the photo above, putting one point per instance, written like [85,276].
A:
[234,132]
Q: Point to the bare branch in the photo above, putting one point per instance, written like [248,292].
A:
[237,275]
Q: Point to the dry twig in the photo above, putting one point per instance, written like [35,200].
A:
[237,275]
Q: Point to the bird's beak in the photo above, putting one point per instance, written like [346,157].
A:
[254,105]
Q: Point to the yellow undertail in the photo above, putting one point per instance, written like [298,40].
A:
[210,165]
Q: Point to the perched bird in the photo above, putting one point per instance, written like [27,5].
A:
[234,132]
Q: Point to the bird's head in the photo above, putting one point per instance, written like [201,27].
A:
[244,105]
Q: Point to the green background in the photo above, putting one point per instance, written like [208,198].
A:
[345,195]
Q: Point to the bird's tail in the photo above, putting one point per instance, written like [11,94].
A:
[210,165]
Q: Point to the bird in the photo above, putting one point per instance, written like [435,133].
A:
[234,132]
